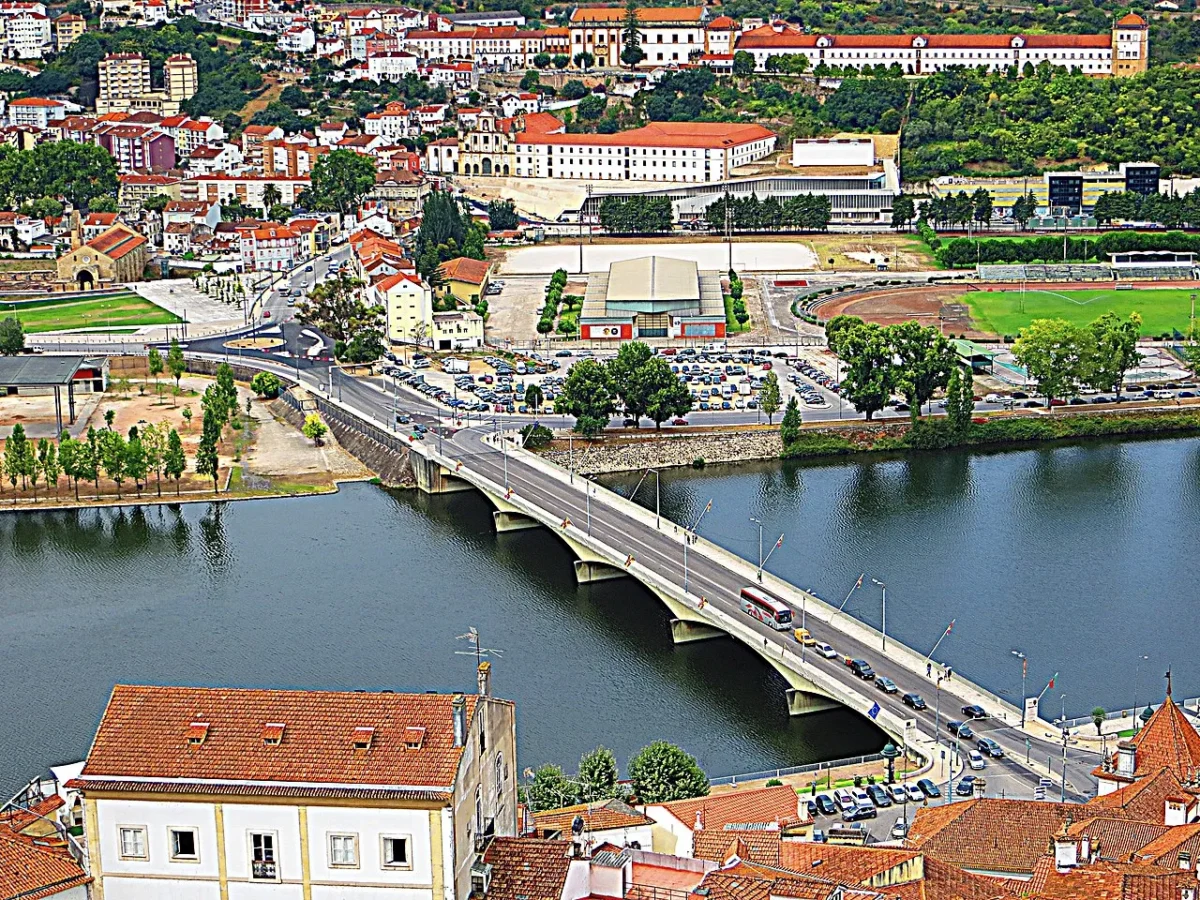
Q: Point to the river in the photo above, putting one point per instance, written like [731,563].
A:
[1075,555]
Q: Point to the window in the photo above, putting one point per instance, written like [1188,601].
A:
[264,866]
[343,850]
[185,845]
[396,852]
[133,842]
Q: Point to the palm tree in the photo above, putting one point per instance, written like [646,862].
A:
[271,196]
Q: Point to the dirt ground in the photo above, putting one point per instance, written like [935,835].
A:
[266,456]
[904,253]
[930,305]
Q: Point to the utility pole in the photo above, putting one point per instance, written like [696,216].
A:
[729,227]
[1024,668]
[760,556]
[884,627]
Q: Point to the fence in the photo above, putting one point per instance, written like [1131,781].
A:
[799,770]
[1194,702]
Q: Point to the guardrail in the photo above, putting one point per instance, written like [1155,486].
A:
[799,770]
[1075,722]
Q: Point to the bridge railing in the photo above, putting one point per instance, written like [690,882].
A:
[799,770]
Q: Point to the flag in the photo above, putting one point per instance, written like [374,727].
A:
[779,543]
[873,712]
[858,583]
[950,627]
[709,507]
[1050,686]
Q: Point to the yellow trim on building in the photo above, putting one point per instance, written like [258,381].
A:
[305,866]
[222,866]
[435,852]
[91,827]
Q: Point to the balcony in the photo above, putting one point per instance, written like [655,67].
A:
[485,836]
[264,870]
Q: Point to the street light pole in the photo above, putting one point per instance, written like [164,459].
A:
[760,556]
[1137,670]
[884,626]
[1024,667]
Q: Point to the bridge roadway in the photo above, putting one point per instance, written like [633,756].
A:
[546,495]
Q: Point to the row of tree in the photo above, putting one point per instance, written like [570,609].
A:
[1164,209]
[958,209]
[636,215]
[966,252]
[806,212]
[78,173]
[447,231]
[658,773]
[152,450]
[1062,357]
[635,380]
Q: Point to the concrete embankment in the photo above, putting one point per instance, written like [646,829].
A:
[666,450]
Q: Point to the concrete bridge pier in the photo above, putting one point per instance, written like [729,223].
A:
[589,570]
[513,521]
[801,703]
[434,478]
[688,631]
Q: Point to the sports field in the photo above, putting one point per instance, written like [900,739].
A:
[1001,312]
[120,310]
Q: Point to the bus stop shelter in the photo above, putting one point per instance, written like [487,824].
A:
[32,373]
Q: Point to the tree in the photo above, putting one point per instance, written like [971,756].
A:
[18,456]
[94,452]
[12,336]
[869,375]
[71,455]
[225,392]
[154,443]
[174,461]
[1114,352]
[542,61]
[622,376]
[924,360]
[550,789]
[631,37]
[314,429]
[836,327]
[48,461]
[187,417]
[592,107]
[136,464]
[207,458]
[502,215]
[534,397]
[176,365]
[960,403]
[113,458]
[770,399]
[662,772]
[981,206]
[903,211]
[1098,716]
[271,196]
[104,204]
[588,396]
[574,90]
[336,307]
[154,363]
[561,60]
[789,428]
[340,180]
[1055,354]
[743,63]
[598,775]
[280,212]
[266,385]
[665,395]
[110,416]
[584,60]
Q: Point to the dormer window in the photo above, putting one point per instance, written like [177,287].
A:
[363,737]
[414,737]
[197,733]
[272,733]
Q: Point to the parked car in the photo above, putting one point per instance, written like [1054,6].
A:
[858,813]
[825,804]
[988,747]
[823,649]
[974,711]
[886,685]
[845,800]
[878,795]
[897,793]
[928,788]
[914,700]
[819,836]
[900,829]
[811,805]
[915,794]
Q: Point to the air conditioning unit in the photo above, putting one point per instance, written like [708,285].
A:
[481,877]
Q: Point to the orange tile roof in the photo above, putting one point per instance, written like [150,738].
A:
[1070,41]
[722,23]
[646,14]
[527,868]
[466,270]
[1167,739]
[542,123]
[28,871]
[596,816]
[695,135]
[389,282]
[143,735]
[1144,799]
[852,865]
[742,807]
[988,833]
[721,844]
[1109,881]
[1166,848]
[1131,20]
[36,101]
[117,242]
[100,218]
[1117,839]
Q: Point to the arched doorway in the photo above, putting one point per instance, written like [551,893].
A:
[487,166]
[85,280]
[506,169]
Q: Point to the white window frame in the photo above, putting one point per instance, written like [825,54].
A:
[346,835]
[383,855]
[172,830]
[145,854]
[274,835]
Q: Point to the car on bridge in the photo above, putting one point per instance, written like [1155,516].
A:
[961,729]
[805,637]
[974,711]
[928,788]
[988,747]
[862,669]
[886,685]
[823,649]
[915,701]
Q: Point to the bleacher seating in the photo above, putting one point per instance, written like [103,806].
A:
[1155,273]
[1001,273]
[1067,272]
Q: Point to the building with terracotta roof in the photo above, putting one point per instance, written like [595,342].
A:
[1124,51]
[33,868]
[116,256]
[1167,740]
[24,30]
[37,112]
[136,188]
[408,306]
[223,792]
[270,248]
[669,34]
[677,822]
[465,278]
[612,821]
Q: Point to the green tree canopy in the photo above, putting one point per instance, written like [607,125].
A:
[340,180]
[662,772]
[587,395]
[1056,355]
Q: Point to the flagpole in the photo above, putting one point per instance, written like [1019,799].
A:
[1048,686]
[939,640]
[857,585]
[778,544]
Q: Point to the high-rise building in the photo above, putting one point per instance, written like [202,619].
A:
[124,77]
[180,77]
[1130,45]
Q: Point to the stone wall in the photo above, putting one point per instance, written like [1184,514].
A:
[668,450]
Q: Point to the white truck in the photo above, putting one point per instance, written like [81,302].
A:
[455,366]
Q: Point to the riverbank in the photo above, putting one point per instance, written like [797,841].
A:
[636,452]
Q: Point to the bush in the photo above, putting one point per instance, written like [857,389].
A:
[698,462]
[266,385]
[816,444]
[536,436]
[774,782]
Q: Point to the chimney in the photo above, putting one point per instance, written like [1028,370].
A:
[1066,851]
[699,826]
[484,677]
[1175,812]
[458,713]
[1126,752]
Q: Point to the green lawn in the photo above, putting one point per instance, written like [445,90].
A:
[1004,312]
[118,311]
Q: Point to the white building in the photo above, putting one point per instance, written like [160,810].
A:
[441,156]
[459,76]
[37,112]
[668,34]
[297,39]
[26,31]
[661,151]
[209,793]
[515,104]
[271,248]
[222,188]
[408,305]
[392,123]
[391,65]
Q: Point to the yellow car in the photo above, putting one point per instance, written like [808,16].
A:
[805,638]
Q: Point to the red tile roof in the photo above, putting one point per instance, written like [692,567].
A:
[646,14]
[28,871]
[988,833]
[698,135]
[527,868]
[386,284]
[722,23]
[36,101]
[143,734]
[542,123]
[596,816]
[1167,739]
[852,865]
[1144,799]
[466,270]
[1131,20]
[117,242]
[773,804]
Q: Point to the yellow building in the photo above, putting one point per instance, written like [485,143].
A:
[67,29]
[408,305]
[465,278]
[117,256]
[1130,46]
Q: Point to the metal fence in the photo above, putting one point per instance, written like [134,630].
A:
[799,770]
[1192,702]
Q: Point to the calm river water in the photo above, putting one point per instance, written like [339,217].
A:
[1078,556]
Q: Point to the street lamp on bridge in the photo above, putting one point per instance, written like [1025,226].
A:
[1024,668]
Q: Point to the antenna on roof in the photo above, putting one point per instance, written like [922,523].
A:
[478,650]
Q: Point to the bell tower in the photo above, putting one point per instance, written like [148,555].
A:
[1130,46]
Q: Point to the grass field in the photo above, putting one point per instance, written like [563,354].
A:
[115,310]
[1162,310]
